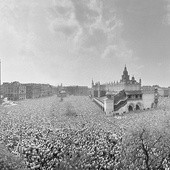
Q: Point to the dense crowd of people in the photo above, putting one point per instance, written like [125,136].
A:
[28,133]
[46,138]
[71,149]
[89,148]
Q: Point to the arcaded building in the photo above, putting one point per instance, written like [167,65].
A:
[131,87]
[121,96]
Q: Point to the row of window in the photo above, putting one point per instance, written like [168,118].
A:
[136,96]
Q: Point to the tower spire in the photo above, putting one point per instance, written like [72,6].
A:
[125,69]
[92,82]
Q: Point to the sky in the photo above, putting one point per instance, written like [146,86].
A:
[73,41]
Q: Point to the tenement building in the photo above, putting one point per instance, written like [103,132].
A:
[14,91]
[121,96]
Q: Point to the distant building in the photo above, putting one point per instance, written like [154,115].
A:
[77,90]
[163,91]
[122,96]
[33,90]
[46,90]
[148,89]
[14,91]
[38,90]
[55,90]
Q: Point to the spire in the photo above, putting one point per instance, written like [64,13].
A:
[92,82]
[125,69]
[125,72]
[125,76]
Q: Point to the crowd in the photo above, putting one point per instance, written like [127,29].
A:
[71,149]
[46,139]
[28,133]
[91,148]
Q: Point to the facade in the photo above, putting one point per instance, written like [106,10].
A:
[46,90]
[162,91]
[33,91]
[77,90]
[18,91]
[122,96]
[38,90]
[55,90]
[131,87]
[148,89]
[14,91]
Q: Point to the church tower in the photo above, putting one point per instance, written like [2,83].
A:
[125,76]
[92,84]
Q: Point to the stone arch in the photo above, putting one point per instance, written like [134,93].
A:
[138,106]
[130,107]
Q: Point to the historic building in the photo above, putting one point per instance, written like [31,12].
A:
[77,90]
[162,91]
[46,90]
[122,96]
[33,90]
[131,87]
[14,91]
[38,90]
[18,91]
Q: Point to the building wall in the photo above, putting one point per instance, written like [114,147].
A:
[132,87]
[148,89]
[161,92]
[46,90]
[77,90]
[125,109]
[22,92]
[18,91]
[148,99]
[14,91]
[145,103]
[166,92]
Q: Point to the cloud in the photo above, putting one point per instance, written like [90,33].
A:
[87,23]
[166,19]
[110,51]
[120,52]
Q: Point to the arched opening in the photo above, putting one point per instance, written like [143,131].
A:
[137,107]
[130,108]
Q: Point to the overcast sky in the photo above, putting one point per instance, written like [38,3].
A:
[73,41]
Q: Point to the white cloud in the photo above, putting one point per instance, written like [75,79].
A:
[110,51]
[89,23]
[119,51]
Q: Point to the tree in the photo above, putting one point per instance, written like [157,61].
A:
[145,150]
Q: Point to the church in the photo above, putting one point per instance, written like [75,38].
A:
[121,96]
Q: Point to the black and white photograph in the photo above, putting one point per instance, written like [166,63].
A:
[84,84]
